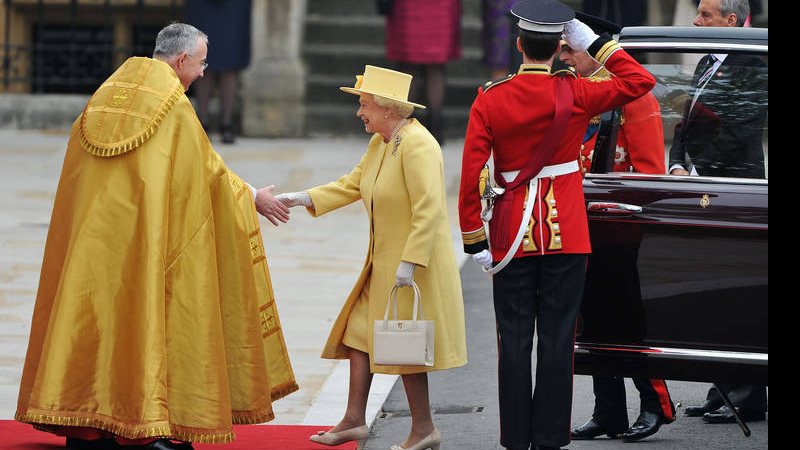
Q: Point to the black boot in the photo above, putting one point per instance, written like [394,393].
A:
[591,429]
[699,410]
[646,425]
[158,444]
[228,136]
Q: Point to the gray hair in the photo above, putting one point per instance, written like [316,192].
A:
[403,110]
[739,7]
[177,38]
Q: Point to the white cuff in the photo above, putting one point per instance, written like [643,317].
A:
[676,166]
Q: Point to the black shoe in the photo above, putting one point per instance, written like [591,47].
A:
[545,447]
[699,410]
[591,430]
[85,444]
[159,444]
[647,424]
[228,137]
[725,415]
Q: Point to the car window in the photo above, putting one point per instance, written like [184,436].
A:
[714,111]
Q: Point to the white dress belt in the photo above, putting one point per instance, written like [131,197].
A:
[547,171]
[533,187]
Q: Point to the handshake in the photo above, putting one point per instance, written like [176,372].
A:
[276,207]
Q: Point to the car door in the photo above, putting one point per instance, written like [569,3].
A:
[677,284]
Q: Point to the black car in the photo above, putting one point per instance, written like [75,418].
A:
[677,285]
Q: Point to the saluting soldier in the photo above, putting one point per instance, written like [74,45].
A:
[612,280]
[532,124]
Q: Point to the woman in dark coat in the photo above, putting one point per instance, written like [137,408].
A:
[227,24]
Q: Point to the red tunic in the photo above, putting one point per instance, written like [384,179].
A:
[508,120]
[640,138]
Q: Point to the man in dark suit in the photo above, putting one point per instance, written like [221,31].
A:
[724,114]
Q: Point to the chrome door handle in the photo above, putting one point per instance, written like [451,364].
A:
[613,208]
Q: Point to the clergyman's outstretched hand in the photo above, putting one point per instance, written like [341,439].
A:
[268,206]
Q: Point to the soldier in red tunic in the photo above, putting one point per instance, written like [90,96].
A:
[640,144]
[533,124]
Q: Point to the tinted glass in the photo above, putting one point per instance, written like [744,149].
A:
[714,112]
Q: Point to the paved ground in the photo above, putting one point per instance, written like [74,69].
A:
[464,400]
[314,264]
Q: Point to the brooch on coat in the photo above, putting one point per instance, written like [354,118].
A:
[397,140]
[395,136]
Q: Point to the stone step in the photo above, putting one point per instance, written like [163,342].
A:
[335,59]
[469,8]
[345,30]
[343,7]
[344,35]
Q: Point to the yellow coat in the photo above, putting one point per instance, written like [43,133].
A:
[404,194]
[154,314]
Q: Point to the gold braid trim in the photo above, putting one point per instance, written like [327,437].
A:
[606,50]
[44,422]
[282,391]
[105,151]
[492,83]
[474,236]
[251,417]
[569,71]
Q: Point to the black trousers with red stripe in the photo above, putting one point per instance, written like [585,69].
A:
[610,405]
[542,294]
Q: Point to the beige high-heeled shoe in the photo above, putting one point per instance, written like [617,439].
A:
[431,441]
[340,437]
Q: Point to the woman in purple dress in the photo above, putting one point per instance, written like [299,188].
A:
[496,36]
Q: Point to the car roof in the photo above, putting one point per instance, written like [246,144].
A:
[701,38]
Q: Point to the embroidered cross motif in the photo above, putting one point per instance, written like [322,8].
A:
[267,318]
[120,97]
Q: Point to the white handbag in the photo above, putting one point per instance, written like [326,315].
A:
[403,342]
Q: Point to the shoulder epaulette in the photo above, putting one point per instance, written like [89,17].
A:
[564,72]
[492,83]
[601,75]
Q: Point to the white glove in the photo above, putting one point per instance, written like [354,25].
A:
[291,199]
[405,273]
[578,35]
[483,258]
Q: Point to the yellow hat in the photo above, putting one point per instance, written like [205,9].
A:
[385,83]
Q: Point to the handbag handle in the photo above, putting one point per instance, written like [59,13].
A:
[393,301]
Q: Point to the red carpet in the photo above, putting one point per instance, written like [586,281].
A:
[19,436]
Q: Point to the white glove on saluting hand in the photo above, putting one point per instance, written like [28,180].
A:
[578,35]
[291,199]
[405,273]
[483,258]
